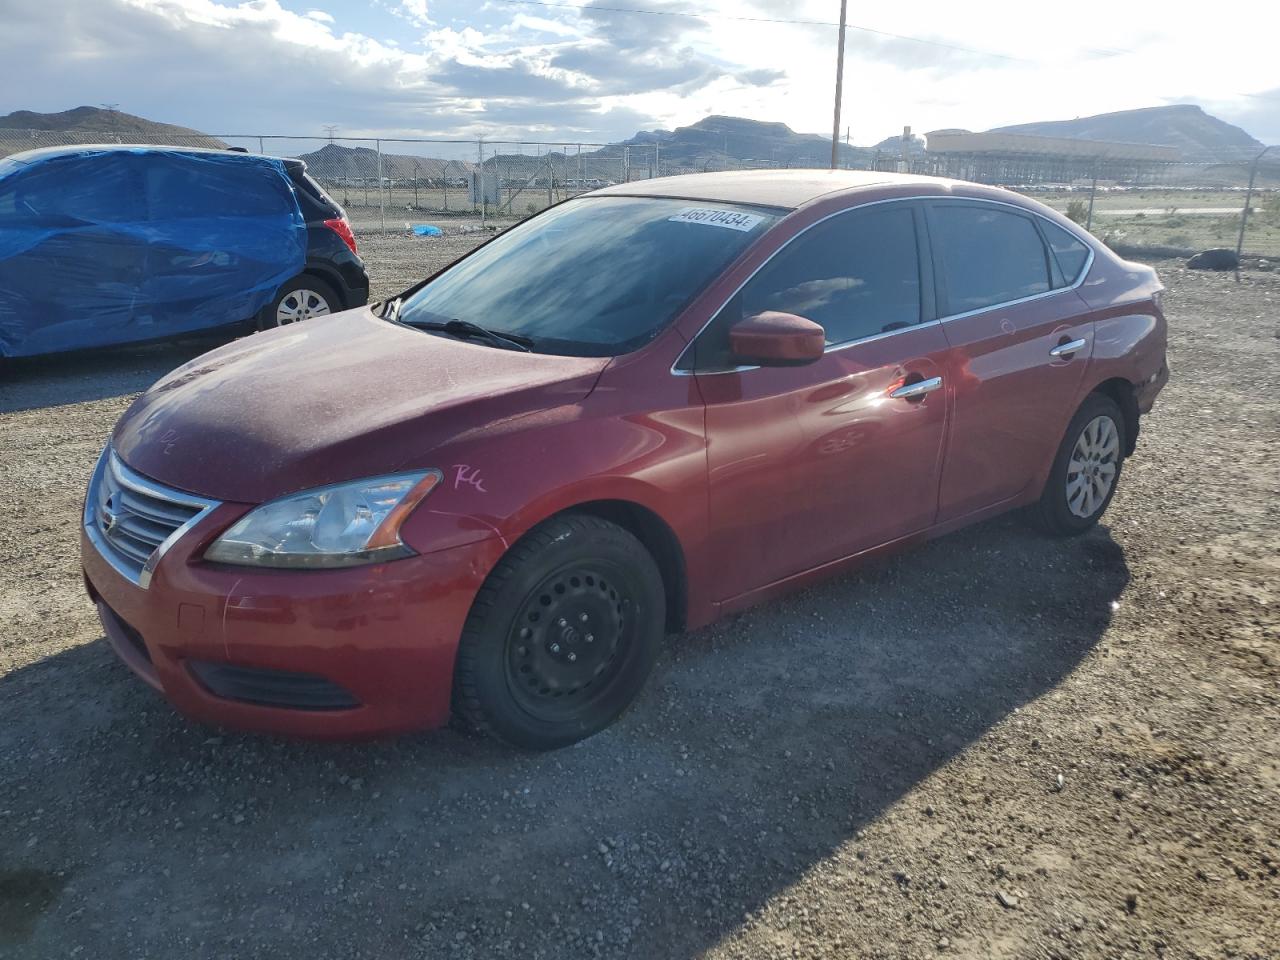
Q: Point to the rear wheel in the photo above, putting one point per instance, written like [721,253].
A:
[562,636]
[300,299]
[1086,469]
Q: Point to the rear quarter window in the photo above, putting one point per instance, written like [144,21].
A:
[1070,251]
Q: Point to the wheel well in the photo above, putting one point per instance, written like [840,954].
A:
[661,542]
[329,280]
[1121,391]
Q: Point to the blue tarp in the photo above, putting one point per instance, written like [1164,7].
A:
[103,245]
[425,230]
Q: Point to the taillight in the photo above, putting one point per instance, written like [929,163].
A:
[343,229]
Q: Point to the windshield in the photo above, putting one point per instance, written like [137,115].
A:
[597,276]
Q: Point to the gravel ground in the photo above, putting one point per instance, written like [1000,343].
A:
[996,745]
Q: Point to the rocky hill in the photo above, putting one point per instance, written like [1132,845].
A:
[94,125]
[1198,135]
[715,137]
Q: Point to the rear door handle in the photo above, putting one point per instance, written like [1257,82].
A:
[917,389]
[1066,349]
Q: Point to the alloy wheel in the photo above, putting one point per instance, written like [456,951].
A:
[1091,471]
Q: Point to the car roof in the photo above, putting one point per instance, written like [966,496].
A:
[48,153]
[769,188]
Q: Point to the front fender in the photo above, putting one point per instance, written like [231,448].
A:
[511,479]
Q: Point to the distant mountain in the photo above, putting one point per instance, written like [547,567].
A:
[893,146]
[94,125]
[334,161]
[716,137]
[1198,135]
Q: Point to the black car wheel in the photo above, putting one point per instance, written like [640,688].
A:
[562,636]
[300,299]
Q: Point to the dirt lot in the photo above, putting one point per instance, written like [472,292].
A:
[994,746]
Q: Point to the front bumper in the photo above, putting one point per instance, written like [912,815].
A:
[385,636]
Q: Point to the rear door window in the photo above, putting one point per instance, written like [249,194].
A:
[987,255]
[1070,252]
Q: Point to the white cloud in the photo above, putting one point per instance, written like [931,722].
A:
[415,11]
[463,68]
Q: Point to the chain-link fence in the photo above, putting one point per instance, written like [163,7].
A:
[389,184]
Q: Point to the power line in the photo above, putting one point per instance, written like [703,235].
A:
[726,16]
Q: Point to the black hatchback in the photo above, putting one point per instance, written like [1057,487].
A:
[118,244]
[334,277]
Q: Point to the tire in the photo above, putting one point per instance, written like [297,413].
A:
[302,297]
[562,635]
[1073,500]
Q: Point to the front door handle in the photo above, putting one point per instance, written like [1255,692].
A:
[909,391]
[1066,349]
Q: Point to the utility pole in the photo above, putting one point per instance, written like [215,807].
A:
[1244,214]
[382,199]
[1093,192]
[835,129]
[330,129]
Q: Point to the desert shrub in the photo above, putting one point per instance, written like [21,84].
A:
[1077,211]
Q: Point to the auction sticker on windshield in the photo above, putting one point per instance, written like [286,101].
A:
[732,219]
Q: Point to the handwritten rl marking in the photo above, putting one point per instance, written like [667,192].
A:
[465,473]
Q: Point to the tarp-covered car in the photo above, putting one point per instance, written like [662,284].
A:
[116,244]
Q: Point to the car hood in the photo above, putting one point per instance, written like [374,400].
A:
[331,399]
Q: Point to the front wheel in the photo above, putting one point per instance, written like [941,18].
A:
[1086,469]
[562,635]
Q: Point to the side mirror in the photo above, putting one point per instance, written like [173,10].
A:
[773,339]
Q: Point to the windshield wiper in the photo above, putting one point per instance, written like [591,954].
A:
[467,329]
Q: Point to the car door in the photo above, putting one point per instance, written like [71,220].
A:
[1021,339]
[813,463]
[225,232]
[73,279]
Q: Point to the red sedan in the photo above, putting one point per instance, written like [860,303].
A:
[638,411]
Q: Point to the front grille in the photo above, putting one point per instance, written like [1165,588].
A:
[272,688]
[131,519]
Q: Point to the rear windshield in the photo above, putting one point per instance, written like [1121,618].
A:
[597,276]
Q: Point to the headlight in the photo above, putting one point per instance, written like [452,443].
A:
[343,525]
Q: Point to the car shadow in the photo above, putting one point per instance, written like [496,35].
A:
[30,383]
[761,747]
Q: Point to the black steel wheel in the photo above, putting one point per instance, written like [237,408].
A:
[562,636]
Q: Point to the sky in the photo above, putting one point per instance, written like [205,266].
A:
[577,71]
